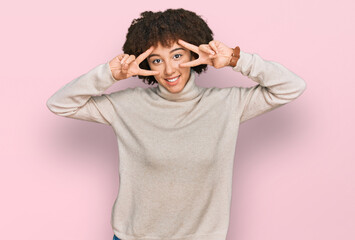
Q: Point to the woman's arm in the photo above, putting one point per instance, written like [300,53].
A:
[276,85]
[81,98]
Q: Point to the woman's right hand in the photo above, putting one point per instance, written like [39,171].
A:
[124,66]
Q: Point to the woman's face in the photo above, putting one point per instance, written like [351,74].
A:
[166,60]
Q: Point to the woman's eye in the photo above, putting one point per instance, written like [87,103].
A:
[177,55]
[156,61]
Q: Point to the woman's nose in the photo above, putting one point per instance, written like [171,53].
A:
[169,69]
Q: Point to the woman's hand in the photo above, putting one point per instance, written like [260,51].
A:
[124,66]
[214,53]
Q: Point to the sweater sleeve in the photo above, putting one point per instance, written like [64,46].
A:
[276,85]
[82,98]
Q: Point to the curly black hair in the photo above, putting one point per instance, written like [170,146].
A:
[166,28]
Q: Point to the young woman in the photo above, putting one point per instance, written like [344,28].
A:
[176,140]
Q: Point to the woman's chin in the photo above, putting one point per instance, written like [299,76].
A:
[173,89]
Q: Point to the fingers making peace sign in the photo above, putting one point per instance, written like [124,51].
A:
[215,54]
[124,66]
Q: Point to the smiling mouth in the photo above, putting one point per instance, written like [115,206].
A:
[172,79]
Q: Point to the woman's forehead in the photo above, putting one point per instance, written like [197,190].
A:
[165,50]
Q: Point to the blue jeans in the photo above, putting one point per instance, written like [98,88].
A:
[115,238]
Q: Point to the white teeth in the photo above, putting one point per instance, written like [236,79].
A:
[173,80]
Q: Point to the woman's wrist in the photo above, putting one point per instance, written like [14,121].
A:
[234,57]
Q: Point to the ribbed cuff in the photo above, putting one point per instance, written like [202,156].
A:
[244,57]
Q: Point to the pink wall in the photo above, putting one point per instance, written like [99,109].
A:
[294,167]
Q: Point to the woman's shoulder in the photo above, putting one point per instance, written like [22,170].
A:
[219,90]
[130,92]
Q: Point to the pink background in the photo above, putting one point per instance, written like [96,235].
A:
[294,167]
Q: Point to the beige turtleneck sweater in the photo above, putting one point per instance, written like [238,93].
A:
[176,151]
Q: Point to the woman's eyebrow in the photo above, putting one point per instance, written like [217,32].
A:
[176,49]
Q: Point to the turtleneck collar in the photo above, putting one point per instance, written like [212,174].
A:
[190,91]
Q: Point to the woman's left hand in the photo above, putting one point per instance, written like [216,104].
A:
[215,53]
